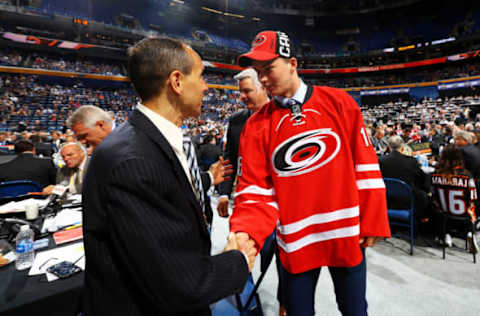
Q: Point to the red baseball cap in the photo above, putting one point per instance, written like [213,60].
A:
[267,45]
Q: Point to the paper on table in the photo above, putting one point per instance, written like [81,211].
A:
[45,259]
[16,207]
[68,217]
[75,198]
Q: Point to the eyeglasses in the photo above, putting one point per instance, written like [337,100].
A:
[43,264]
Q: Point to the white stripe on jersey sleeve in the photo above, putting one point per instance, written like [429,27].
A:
[370,184]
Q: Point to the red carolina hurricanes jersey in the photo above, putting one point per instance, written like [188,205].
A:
[315,177]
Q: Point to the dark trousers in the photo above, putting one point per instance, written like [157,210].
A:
[349,284]
[280,291]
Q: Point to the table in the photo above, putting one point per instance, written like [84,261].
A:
[25,295]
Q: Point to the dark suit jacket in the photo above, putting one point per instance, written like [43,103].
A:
[146,244]
[209,154]
[44,149]
[398,166]
[235,126]
[471,156]
[29,167]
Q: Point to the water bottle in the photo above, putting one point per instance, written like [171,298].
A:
[25,253]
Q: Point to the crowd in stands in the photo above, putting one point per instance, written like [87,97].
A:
[52,61]
[78,64]
[405,76]
[81,64]
[27,104]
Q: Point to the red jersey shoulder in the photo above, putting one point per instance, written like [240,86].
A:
[336,96]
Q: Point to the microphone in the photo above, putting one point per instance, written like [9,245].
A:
[58,192]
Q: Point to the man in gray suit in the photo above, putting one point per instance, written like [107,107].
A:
[72,173]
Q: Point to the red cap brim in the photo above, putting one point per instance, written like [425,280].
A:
[245,60]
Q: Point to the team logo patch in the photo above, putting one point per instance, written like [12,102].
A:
[259,40]
[305,152]
[239,166]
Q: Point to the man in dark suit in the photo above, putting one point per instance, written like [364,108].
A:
[90,124]
[254,95]
[471,152]
[27,166]
[399,166]
[42,148]
[56,141]
[146,242]
[209,152]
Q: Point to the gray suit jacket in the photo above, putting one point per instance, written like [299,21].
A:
[64,174]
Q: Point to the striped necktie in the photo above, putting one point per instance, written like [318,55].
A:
[189,150]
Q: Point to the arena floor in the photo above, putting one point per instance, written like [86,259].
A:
[398,284]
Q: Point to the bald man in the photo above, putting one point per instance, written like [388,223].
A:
[72,173]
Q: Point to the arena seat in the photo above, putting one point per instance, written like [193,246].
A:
[399,190]
[10,189]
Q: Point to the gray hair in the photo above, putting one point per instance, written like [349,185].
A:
[396,142]
[78,144]
[88,115]
[468,137]
[249,73]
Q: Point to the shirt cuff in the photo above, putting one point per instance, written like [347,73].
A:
[211,178]
[246,258]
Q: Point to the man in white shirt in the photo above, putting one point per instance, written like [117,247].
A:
[147,245]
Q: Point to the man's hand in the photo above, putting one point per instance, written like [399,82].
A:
[247,246]
[48,190]
[243,243]
[231,243]
[220,170]
[222,207]
[369,241]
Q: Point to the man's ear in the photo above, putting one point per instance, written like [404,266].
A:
[175,81]
[294,63]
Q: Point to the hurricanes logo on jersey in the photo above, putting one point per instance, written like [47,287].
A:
[305,152]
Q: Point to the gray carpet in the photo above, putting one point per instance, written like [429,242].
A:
[397,283]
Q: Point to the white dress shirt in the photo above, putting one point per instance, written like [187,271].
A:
[171,132]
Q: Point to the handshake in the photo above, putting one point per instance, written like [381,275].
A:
[242,242]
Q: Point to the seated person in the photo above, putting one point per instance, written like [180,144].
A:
[27,166]
[379,141]
[71,175]
[397,165]
[42,148]
[453,189]
[209,152]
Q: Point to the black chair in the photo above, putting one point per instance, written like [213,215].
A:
[248,302]
[462,219]
[397,190]
[11,189]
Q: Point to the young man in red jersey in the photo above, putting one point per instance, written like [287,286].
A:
[306,166]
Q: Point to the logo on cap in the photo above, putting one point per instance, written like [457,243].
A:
[259,40]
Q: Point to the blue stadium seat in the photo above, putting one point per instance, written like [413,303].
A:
[399,190]
[10,189]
